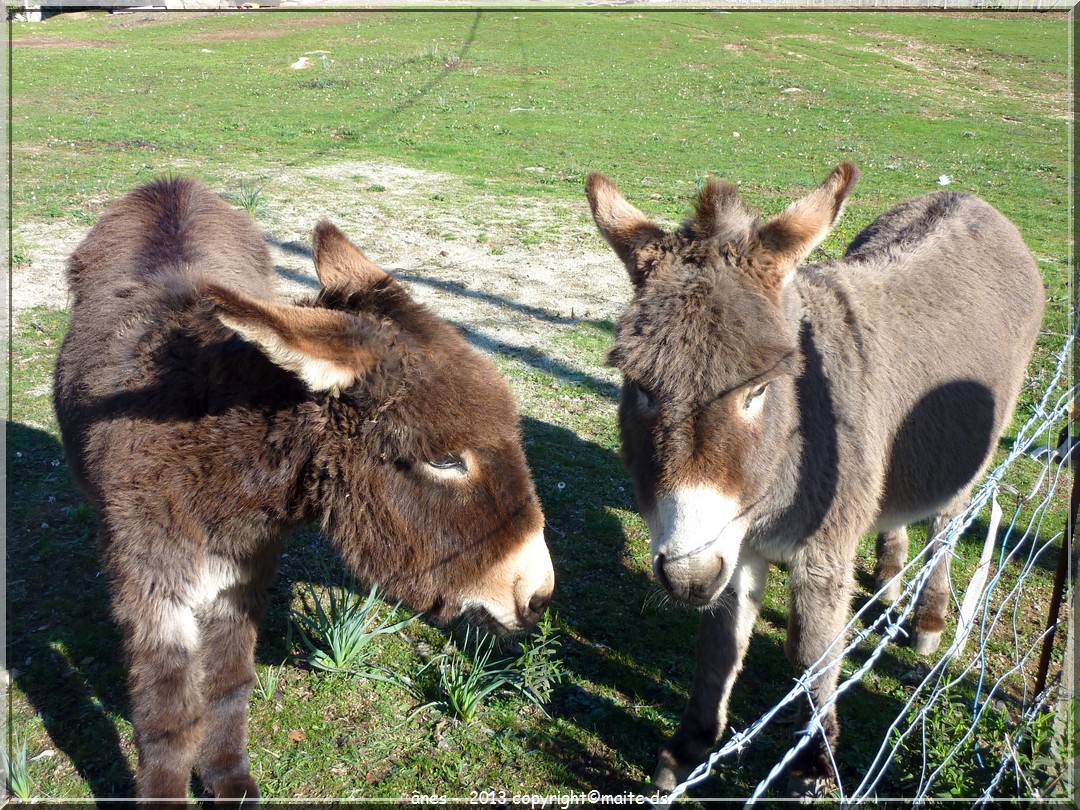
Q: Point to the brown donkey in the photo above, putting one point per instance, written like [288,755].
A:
[205,420]
[774,414]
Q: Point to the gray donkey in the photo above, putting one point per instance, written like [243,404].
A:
[771,413]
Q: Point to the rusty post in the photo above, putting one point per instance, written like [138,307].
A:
[1059,588]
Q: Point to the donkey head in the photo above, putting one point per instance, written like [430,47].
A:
[417,472]
[708,349]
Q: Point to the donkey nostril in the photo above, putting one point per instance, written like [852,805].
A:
[538,604]
[661,575]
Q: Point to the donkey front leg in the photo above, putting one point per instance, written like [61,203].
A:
[228,656]
[892,552]
[229,624]
[820,588]
[723,637]
[166,704]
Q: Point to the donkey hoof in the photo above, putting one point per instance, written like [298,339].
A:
[926,641]
[892,592]
[664,779]
[808,788]
[236,791]
[670,771]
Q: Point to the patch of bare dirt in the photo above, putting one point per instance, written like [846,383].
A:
[43,282]
[513,272]
[963,71]
[804,37]
[139,19]
[57,42]
[280,27]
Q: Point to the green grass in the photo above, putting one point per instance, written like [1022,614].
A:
[475,671]
[654,100]
[486,96]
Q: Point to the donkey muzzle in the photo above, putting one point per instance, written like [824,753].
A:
[696,535]
[695,580]
[516,592]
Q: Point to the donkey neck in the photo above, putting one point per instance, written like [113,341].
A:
[820,406]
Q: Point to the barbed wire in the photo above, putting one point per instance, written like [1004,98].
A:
[991,601]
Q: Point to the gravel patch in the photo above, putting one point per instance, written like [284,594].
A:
[511,272]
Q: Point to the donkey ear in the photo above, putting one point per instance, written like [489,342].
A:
[339,264]
[327,349]
[624,227]
[802,226]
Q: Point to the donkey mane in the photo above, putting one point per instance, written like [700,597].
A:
[721,220]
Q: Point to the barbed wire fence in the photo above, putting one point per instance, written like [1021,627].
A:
[989,606]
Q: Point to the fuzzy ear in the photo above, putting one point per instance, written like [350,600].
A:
[339,264]
[328,350]
[790,237]
[624,227]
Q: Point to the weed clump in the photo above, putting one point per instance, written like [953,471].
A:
[339,632]
[470,673]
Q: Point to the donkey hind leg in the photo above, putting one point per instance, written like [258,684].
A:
[166,705]
[933,601]
[723,637]
[892,551]
[820,597]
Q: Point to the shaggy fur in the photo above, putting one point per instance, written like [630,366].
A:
[205,420]
[856,394]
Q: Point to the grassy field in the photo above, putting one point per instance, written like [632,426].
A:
[514,107]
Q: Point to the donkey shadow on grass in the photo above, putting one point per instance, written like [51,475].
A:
[615,639]
[62,643]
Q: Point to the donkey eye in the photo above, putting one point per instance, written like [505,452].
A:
[451,461]
[757,392]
